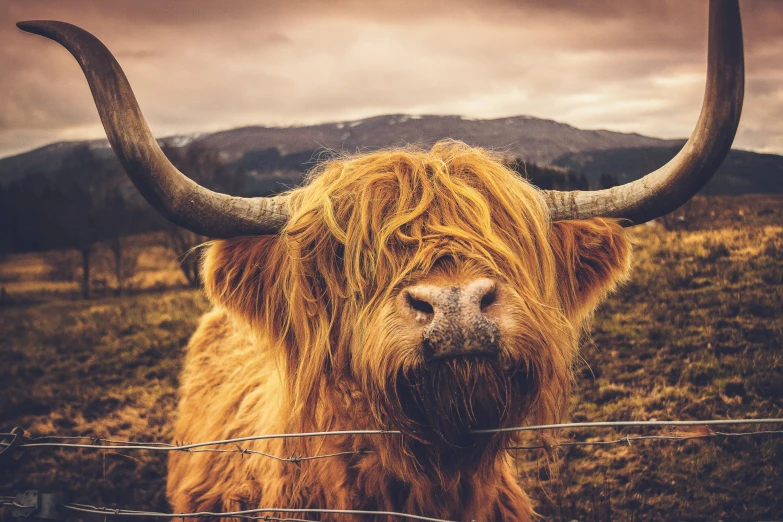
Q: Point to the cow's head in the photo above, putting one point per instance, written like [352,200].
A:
[428,290]
[435,292]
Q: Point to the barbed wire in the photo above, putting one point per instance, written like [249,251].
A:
[264,513]
[192,447]
[249,514]
[104,444]
[629,424]
[628,439]
[101,445]
[271,514]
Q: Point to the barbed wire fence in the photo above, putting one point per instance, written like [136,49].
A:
[34,505]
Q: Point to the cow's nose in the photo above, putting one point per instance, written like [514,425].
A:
[455,318]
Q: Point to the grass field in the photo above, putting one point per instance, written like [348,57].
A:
[695,334]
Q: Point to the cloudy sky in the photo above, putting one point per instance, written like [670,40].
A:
[204,65]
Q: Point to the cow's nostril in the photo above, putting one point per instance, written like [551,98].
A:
[419,305]
[488,300]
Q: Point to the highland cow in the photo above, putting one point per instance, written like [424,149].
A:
[432,292]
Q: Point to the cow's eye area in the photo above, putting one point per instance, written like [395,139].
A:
[419,305]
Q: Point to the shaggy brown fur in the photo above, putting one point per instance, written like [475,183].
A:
[305,336]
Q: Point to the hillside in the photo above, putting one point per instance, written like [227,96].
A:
[38,189]
[535,140]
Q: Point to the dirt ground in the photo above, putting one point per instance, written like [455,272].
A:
[695,334]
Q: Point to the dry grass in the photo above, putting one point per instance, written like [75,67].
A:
[696,333]
[106,368]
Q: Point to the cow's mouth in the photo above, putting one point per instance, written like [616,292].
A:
[447,399]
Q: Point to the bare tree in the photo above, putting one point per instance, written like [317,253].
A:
[124,262]
[77,222]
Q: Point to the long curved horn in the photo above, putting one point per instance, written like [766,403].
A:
[667,188]
[171,193]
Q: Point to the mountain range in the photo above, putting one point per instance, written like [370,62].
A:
[592,153]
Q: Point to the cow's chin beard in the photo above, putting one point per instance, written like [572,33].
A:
[442,402]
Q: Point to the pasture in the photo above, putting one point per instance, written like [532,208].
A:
[696,333]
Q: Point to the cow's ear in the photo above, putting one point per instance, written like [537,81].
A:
[244,275]
[591,257]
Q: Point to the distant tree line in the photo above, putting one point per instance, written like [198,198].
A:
[559,178]
[742,172]
[87,207]
[76,212]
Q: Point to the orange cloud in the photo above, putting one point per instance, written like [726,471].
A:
[203,65]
